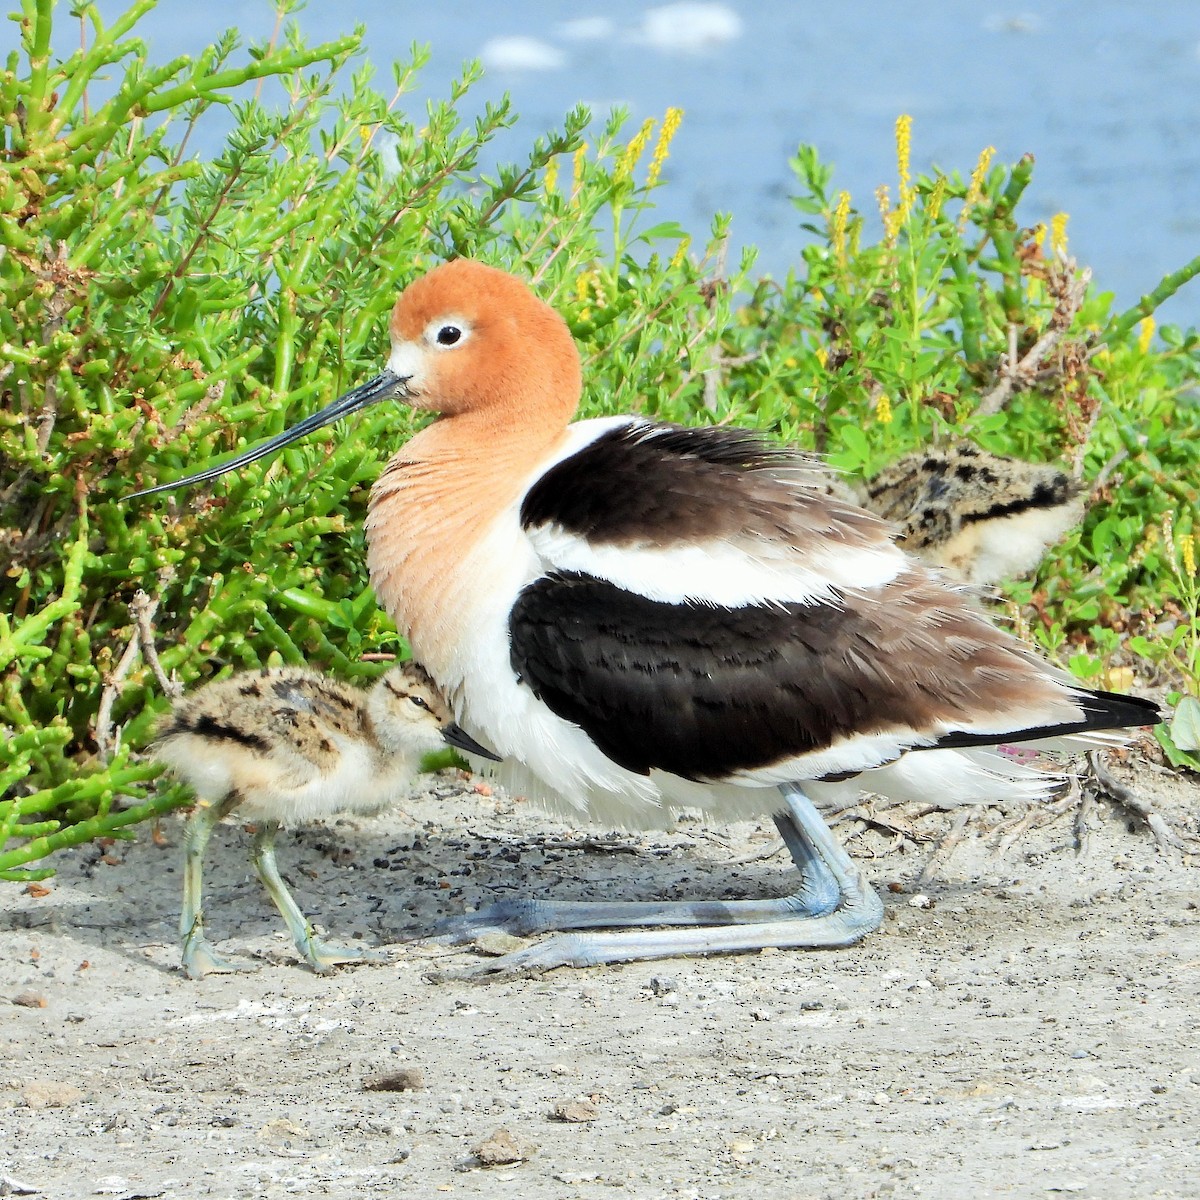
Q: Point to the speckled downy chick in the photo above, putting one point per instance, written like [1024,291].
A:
[286,746]
[984,516]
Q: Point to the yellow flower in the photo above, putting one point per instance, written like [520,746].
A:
[975,187]
[583,285]
[634,151]
[841,212]
[884,200]
[892,218]
[1145,334]
[578,164]
[550,179]
[1058,233]
[680,253]
[883,409]
[662,148]
[1187,551]
[937,197]
[822,356]
[1039,233]
[904,163]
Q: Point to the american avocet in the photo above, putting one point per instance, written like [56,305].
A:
[640,618]
[985,516]
[287,746]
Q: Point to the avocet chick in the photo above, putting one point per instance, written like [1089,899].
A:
[287,746]
[984,516]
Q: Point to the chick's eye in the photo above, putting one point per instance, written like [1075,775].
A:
[419,702]
[449,335]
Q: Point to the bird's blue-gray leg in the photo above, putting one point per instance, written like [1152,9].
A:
[199,958]
[818,893]
[857,912]
[321,956]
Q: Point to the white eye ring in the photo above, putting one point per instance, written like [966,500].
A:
[446,333]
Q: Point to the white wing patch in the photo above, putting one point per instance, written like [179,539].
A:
[726,573]
[722,573]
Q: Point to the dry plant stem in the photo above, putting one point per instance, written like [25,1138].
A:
[868,816]
[945,847]
[1035,817]
[712,377]
[758,856]
[1083,822]
[142,609]
[1164,836]
[1017,375]
[112,689]
[1105,471]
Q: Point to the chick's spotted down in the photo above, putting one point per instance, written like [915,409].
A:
[986,517]
[675,617]
[286,746]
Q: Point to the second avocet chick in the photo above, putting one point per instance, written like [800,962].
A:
[985,516]
[286,746]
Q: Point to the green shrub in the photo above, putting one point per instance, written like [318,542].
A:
[160,310]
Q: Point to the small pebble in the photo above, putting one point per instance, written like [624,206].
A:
[280,1131]
[920,900]
[403,1079]
[46,1093]
[575,1112]
[30,1000]
[498,943]
[660,985]
[14,1187]
[110,1185]
[503,1147]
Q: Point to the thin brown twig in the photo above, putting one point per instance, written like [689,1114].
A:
[1107,470]
[945,847]
[1164,836]
[108,697]
[1020,374]
[142,609]
[1083,822]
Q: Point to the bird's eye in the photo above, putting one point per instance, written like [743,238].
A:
[449,335]
[420,703]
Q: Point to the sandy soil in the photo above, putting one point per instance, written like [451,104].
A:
[1025,1024]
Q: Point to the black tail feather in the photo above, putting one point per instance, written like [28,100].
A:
[1102,710]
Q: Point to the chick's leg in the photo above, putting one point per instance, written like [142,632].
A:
[321,956]
[199,958]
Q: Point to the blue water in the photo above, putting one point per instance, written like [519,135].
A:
[1105,94]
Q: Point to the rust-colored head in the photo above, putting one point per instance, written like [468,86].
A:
[469,338]
[466,339]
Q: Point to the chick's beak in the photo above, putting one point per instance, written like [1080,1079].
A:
[455,735]
[387,385]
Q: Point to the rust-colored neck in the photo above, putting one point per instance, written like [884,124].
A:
[436,501]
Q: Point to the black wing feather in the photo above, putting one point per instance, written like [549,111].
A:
[703,691]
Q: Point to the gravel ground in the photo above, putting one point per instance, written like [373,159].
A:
[1026,1023]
